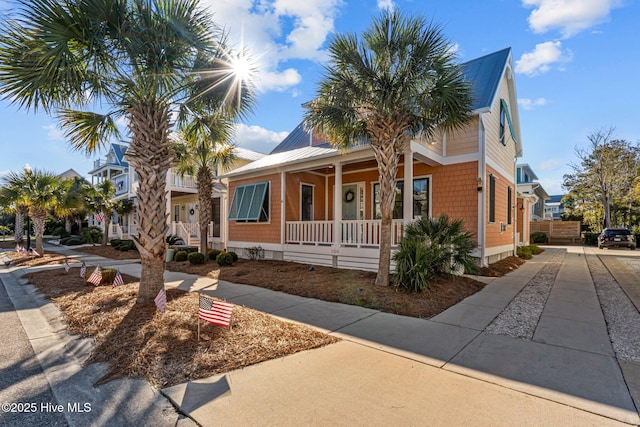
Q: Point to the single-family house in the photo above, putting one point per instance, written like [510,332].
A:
[553,207]
[182,197]
[309,202]
[530,202]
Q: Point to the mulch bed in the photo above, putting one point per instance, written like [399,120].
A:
[502,267]
[136,340]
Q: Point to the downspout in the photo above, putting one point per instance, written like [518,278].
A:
[482,174]
[514,202]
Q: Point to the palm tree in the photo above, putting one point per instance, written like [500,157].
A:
[73,204]
[9,198]
[396,82]
[133,58]
[101,200]
[201,150]
[41,192]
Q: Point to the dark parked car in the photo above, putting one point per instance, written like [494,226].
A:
[611,237]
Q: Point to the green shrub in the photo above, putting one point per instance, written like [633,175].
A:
[196,258]
[72,241]
[180,256]
[538,237]
[590,238]
[115,242]
[254,253]
[535,249]
[108,274]
[60,231]
[524,252]
[213,254]
[433,247]
[224,258]
[234,256]
[92,234]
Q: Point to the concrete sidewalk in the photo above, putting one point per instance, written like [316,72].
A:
[392,369]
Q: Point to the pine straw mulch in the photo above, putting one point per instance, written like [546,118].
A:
[138,341]
[502,267]
[352,287]
[112,253]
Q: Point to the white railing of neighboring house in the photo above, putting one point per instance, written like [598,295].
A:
[186,181]
[189,232]
[357,232]
[115,231]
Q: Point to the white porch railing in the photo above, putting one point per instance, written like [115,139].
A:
[310,232]
[357,233]
[115,231]
[178,181]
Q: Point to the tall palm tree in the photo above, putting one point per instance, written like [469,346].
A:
[201,150]
[41,192]
[72,205]
[398,81]
[133,58]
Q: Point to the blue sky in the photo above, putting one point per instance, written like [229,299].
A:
[576,61]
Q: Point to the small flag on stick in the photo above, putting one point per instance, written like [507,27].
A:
[34,252]
[161,300]
[96,276]
[118,280]
[83,270]
[214,311]
[67,267]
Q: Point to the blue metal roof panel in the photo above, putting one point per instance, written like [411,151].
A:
[484,74]
[120,151]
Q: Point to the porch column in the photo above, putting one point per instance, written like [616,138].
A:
[283,207]
[407,199]
[337,205]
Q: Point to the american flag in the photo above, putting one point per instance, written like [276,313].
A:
[118,280]
[161,300]
[96,276]
[34,252]
[83,270]
[99,216]
[67,267]
[214,311]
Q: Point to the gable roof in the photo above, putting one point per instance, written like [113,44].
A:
[119,151]
[283,158]
[483,73]
[244,154]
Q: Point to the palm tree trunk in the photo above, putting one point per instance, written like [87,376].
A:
[205,191]
[18,233]
[150,155]
[39,217]
[387,168]
[107,226]
[67,224]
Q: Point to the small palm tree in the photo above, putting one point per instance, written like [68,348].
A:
[133,58]
[72,205]
[101,200]
[10,200]
[41,192]
[399,81]
[201,150]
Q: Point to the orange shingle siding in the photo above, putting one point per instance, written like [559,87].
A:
[493,235]
[259,232]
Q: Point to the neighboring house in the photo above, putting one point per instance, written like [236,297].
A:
[530,203]
[309,202]
[70,173]
[553,208]
[182,197]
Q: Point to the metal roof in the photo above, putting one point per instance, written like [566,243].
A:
[483,73]
[245,154]
[120,151]
[285,158]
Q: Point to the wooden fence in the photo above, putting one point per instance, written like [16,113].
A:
[557,230]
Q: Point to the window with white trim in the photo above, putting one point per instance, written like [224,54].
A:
[421,199]
[492,198]
[250,203]
[509,204]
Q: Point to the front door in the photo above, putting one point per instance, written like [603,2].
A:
[353,202]
[191,213]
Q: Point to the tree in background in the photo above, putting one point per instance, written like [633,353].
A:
[604,178]
[100,199]
[399,81]
[201,150]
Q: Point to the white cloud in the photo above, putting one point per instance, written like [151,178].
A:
[552,164]
[568,16]
[530,104]
[552,185]
[257,138]
[276,31]
[386,5]
[54,133]
[542,57]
